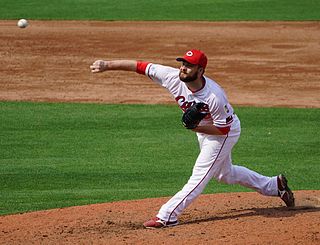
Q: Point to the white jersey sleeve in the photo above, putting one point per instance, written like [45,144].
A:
[221,112]
[163,75]
[220,109]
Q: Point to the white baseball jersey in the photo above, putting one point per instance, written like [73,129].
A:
[220,111]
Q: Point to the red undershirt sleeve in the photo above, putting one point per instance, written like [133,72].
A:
[141,67]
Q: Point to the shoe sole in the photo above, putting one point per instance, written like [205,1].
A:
[164,226]
[288,192]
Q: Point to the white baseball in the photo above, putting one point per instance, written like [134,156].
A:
[22,23]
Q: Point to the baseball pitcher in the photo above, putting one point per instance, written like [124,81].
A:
[207,112]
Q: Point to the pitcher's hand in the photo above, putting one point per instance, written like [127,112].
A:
[99,66]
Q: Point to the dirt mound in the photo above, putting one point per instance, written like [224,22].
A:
[235,218]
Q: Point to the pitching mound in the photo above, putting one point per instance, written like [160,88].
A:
[236,218]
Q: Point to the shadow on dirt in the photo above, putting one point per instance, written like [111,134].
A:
[278,212]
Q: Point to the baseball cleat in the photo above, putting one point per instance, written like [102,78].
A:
[284,191]
[156,223]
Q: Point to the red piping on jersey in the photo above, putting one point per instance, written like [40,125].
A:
[201,179]
[141,67]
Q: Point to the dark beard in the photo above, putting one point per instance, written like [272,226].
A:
[189,78]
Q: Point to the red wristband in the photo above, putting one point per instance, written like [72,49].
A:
[141,67]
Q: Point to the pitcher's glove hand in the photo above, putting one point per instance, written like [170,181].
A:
[193,115]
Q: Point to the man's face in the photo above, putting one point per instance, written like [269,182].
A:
[188,72]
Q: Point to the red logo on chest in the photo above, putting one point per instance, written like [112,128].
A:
[184,105]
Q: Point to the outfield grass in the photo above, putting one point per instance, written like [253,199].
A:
[56,155]
[211,10]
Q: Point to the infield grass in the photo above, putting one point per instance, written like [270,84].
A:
[57,155]
[209,10]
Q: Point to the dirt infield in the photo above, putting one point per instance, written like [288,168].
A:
[263,63]
[257,63]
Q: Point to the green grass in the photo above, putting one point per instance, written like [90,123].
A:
[211,10]
[57,155]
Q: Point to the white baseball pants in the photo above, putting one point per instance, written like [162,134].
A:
[215,161]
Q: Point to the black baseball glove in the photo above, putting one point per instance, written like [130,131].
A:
[193,115]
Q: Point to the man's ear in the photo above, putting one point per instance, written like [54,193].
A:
[201,70]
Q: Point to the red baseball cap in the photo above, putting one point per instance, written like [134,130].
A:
[195,57]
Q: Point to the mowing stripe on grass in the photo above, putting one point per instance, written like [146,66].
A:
[208,10]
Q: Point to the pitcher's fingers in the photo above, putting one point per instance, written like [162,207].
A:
[95,70]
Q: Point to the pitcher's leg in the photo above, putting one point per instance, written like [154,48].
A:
[240,175]
[214,150]
[233,174]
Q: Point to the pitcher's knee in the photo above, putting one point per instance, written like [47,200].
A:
[225,177]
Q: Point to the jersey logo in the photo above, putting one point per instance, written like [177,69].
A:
[184,105]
